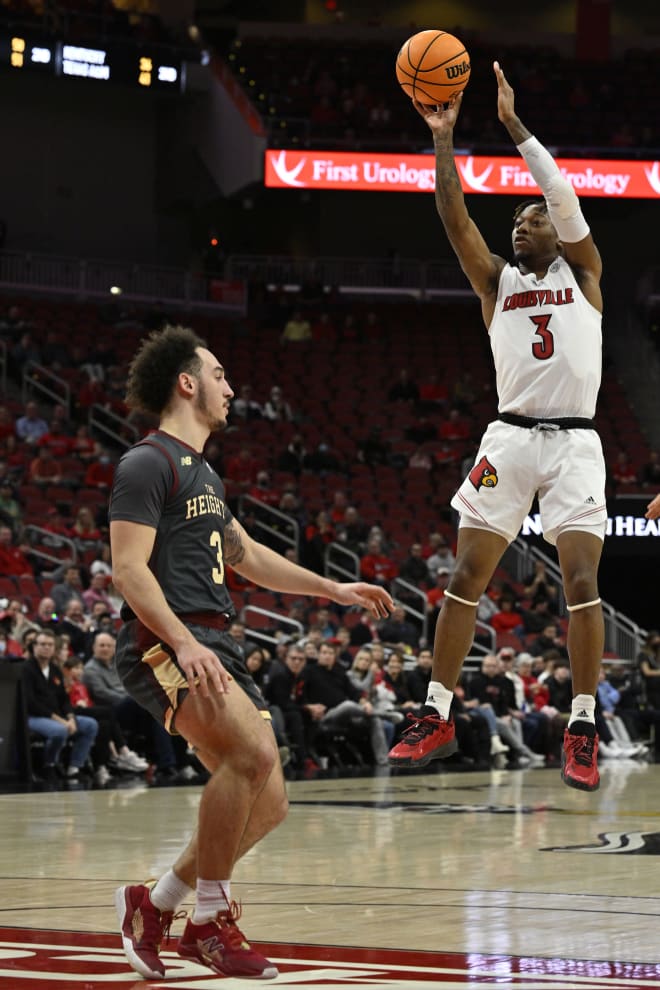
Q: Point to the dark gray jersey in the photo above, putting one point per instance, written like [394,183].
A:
[163,483]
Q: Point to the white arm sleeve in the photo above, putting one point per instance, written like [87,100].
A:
[560,197]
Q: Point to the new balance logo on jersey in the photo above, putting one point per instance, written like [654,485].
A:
[186,461]
[483,474]
[590,501]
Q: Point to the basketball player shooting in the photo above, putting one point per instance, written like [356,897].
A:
[543,314]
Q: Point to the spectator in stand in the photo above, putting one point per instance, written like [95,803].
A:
[11,512]
[322,459]
[420,460]
[297,329]
[91,393]
[50,713]
[454,428]
[365,630]
[324,330]
[100,472]
[105,687]
[549,638]
[538,616]
[277,409]
[7,425]
[68,585]
[83,446]
[441,555]
[24,350]
[16,619]
[560,688]
[622,472]
[395,677]
[238,633]
[420,676]
[491,689]
[103,563]
[433,394]
[436,594]
[317,537]
[539,585]
[649,474]
[245,408]
[85,533]
[110,748]
[414,569]
[10,648]
[96,593]
[44,469]
[263,490]
[76,625]
[465,393]
[338,507]
[404,389]
[242,469]
[293,457]
[507,619]
[374,450]
[56,440]
[375,566]
[331,701]
[352,532]
[13,560]
[45,616]
[282,690]
[396,631]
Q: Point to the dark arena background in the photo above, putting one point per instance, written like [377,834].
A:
[254,171]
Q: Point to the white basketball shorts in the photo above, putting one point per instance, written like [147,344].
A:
[565,468]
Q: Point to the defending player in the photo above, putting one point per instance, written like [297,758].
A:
[543,314]
[172,535]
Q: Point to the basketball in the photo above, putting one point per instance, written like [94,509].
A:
[433,67]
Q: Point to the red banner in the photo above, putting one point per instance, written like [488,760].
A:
[478,174]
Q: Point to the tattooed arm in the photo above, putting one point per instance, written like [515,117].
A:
[481,267]
[268,569]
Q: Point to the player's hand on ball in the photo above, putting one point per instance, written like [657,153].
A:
[440,118]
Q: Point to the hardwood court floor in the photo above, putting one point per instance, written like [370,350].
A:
[499,879]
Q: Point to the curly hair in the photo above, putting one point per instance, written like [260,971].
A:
[538,204]
[159,360]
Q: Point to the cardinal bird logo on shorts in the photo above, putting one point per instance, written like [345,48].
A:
[483,474]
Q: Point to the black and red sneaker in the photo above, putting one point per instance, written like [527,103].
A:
[579,759]
[429,737]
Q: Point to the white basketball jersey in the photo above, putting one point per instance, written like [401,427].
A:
[546,340]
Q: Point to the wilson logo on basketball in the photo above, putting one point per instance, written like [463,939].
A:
[456,71]
[483,474]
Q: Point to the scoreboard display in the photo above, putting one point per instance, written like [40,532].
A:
[115,63]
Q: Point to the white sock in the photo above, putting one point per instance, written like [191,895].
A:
[440,698]
[583,709]
[212,896]
[169,891]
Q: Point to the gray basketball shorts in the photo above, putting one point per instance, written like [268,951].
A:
[151,675]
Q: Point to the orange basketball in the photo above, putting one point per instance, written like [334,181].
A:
[433,67]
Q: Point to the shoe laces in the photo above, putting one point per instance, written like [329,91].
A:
[583,749]
[231,933]
[420,727]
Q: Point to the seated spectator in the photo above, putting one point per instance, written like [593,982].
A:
[538,616]
[13,560]
[85,533]
[507,619]
[331,701]
[420,676]
[243,468]
[538,584]
[110,749]
[282,690]
[413,569]
[106,688]
[30,427]
[550,638]
[432,394]
[263,490]
[622,471]
[7,424]
[317,537]
[440,555]
[11,512]
[375,566]
[322,459]
[56,440]
[76,625]
[50,713]
[15,619]
[83,446]
[292,458]
[420,460]
[44,469]
[649,474]
[374,450]
[465,393]
[100,472]
[338,507]
[25,349]
[352,531]
[68,585]
[277,409]
[608,697]
[244,407]
[10,648]
[397,631]
[454,428]
[435,595]
[324,330]
[404,389]
[297,329]
[365,630]
[397,680]
[96,594]
[494,693]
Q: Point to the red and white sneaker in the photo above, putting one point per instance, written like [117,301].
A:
[429,737]
[143,928]
[579,766]
[223,947]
